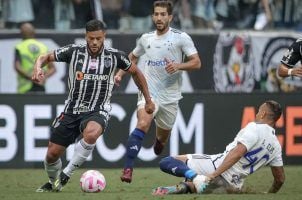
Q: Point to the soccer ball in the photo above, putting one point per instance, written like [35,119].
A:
[92,181]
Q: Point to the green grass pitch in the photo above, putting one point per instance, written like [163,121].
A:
[21,184]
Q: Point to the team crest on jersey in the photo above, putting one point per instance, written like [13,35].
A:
[107,62]
[93,63]
[233,64]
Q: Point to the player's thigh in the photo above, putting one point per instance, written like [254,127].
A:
[201,163]
[144,119]
[182,158]
[94,123]
[65,130]
[166,116]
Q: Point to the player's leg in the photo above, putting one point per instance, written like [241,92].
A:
[92,128]
[134,142]
[176,166]
[193,167]
[60,139]
[52,166]
[165,119]
[161,139]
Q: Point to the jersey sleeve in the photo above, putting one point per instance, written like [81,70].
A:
[123,62]
[64,54]
[188,46]
[248,137]
[277,161]
[293,54]
[139,49]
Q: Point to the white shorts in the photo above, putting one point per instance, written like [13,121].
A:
[203,164]
[164,114]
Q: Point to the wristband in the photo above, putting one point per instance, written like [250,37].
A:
[289,72]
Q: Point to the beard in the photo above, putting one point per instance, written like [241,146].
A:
[161,26]
[94,49]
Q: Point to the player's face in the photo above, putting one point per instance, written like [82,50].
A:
[161,19]
[95,40]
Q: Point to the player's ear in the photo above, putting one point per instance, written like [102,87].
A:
[263,114]
[170,18]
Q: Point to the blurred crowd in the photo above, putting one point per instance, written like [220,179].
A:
[134,15]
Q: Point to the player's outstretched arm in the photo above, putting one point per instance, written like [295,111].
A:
[233,156]
[284,71]
[38,73]
[141,83]
[279,178]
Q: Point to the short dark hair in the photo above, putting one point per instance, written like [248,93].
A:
[165,4]
[275,107]
[95,25]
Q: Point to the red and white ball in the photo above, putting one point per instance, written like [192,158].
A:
[92,181]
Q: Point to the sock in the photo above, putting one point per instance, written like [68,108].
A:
[81,152]
[134,145]
[176,167]
[53,169]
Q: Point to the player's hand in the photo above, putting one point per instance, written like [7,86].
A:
[149,107]
[38,75]
[297,71]
[117,80]
[209,178]
[171,67]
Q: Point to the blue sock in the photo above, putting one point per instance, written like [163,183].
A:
[176,167]
[133,146]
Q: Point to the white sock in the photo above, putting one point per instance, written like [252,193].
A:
[53,169]
[81,152]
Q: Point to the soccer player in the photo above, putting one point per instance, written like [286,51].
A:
[164,50]
[292,56]
[255,146]
[26,53]
[86,113]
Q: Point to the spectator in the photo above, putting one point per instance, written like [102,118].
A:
[26,53]
[182,15]
[227,12]
[42,9]
[203,13]
[83,13]
[138,17]
[64,14]
[1,15]
[111,12]
[249,9]
[17,12]
[286,14]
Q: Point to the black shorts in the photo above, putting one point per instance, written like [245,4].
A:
[66,128]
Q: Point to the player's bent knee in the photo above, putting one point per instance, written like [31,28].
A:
[164,162]
[52,156]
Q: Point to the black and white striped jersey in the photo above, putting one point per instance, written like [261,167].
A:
[293,54]
[90,79]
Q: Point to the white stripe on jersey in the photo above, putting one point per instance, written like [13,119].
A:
[71,81]
[82,83]
[101,70]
